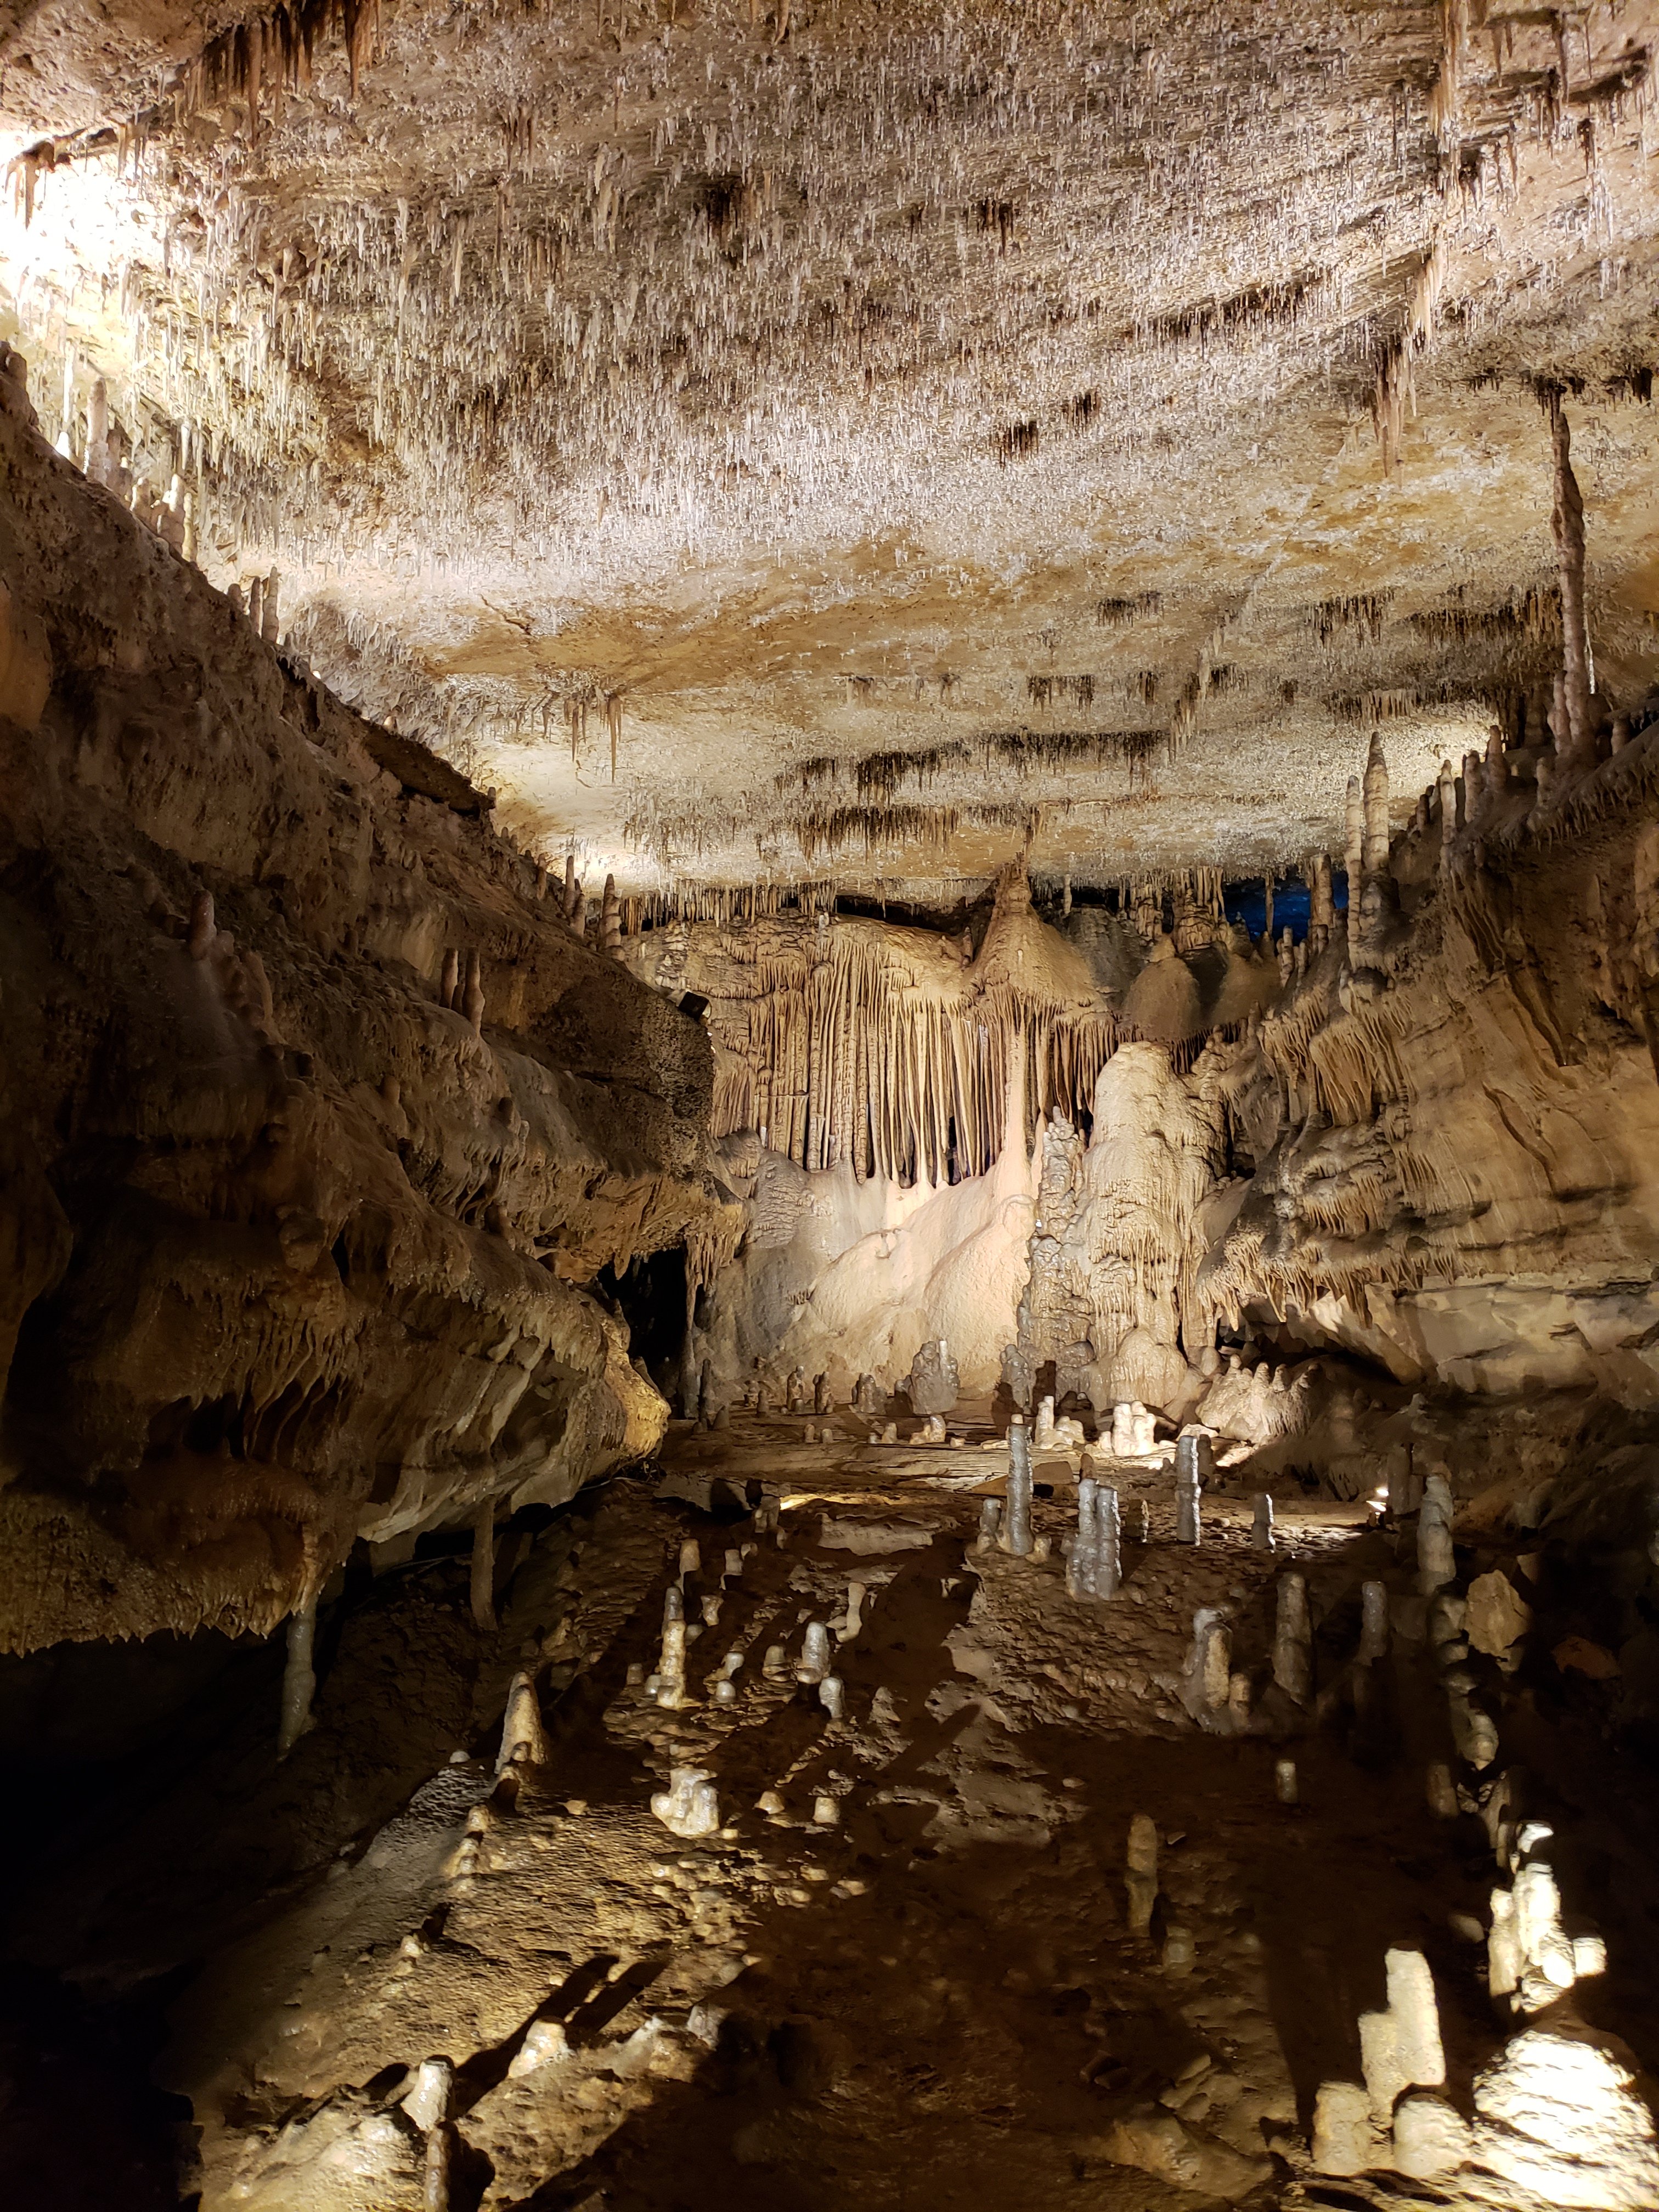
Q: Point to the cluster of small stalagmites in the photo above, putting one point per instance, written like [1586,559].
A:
[460,987]
[238,973]
[690,1805]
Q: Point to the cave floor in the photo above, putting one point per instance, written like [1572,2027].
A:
[909,1979]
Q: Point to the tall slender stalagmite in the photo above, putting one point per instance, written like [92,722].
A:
[1354,845]
[1374,853]
[1567,522]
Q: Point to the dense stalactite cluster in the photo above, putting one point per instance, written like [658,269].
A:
[614,306]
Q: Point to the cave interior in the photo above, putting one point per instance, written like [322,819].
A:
[829,1106]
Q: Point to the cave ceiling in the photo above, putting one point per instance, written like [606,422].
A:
[773,440]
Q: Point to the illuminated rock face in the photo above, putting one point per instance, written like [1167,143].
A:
[1440,1167]
[293,1246]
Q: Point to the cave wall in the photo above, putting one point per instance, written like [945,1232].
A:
[316,1115]
[1457,1122]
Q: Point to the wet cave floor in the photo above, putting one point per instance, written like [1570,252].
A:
[907,1977]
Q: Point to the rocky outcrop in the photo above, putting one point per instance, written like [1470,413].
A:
[1454,1136]
[316,1116]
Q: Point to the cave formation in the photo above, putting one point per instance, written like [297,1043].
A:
[829,1171]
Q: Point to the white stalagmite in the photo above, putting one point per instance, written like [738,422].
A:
[1373,1621]
[690,1807]
[1261,1522]
[671,1665]
[1189,1527]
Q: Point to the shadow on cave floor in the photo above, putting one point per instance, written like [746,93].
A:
[162,1826]
[969,2029]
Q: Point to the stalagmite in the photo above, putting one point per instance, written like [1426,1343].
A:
[690,1807]
[832,1696]
[1141,1878]
[1399,2048]
[1374,1621]
[1344,2136]
[1188,1491]
[1442,1792]
[472,997]
[522,1743]
[298,1679]
[1262,1538]
[1016,1533]
[1081,1561]
[1284,1781]
[269,628]
[481,1582]
[429,2106]
[990,1523]
[934,1384]
[1437,1562]
[671,1664]
[1209,1665]
[822,1400]
[1293,1640]
[1354,848]
[1044,1435]
[610,920]
[1107,1578]
[815,1653]
[1375,833]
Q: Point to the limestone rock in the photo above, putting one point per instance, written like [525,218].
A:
[1498,1617]
[1160,2145]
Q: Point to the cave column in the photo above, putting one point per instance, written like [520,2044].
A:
[1567,522]
[298,1676]
[482,1586]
